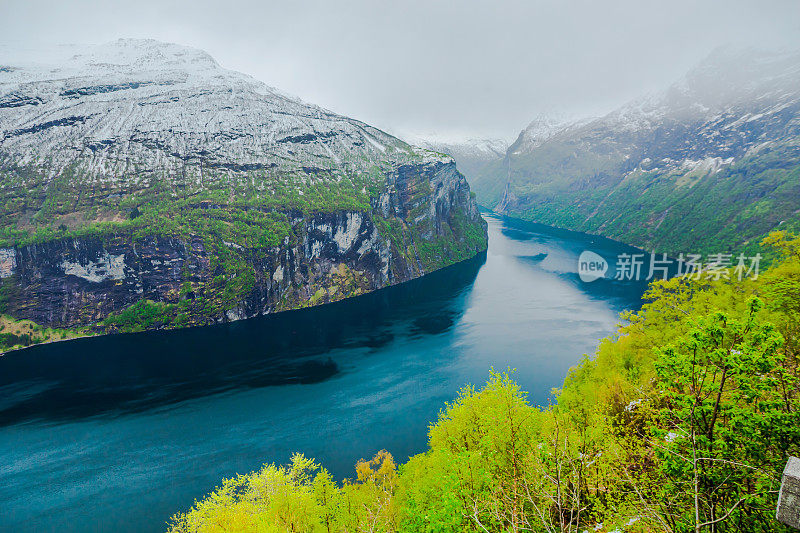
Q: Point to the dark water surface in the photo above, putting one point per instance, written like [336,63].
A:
[117,433]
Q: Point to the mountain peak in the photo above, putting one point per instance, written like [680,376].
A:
[123,57]
[541,129]
[166,106]
[146,53]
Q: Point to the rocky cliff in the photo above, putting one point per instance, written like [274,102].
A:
[475,157]
[143,186]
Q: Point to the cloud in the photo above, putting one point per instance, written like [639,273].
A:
[482,68]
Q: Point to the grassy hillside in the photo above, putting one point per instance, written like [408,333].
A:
[685,211]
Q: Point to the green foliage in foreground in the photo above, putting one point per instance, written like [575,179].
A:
[682,422]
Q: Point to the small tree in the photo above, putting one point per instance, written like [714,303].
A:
[723,426]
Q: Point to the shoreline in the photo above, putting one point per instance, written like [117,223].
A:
[481,253]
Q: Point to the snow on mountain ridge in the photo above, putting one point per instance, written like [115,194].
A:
[471,155]
[146,104]
[728,81]
[726,104]
[474,146]
[543,128]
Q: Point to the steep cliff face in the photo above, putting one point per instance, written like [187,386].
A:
[475,158]
[82,281]
[143,186]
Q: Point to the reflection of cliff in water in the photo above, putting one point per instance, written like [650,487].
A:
[117,374]
[558,252]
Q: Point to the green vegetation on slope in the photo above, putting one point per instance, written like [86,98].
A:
[16,334]
[249,210]
[682,422]
[240,219]
[684,211]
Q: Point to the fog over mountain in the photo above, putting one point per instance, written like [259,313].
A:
[711,160]
[454,70]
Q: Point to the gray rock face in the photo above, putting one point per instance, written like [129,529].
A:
[789,497]
[330,256]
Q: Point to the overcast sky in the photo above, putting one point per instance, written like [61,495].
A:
[453,69]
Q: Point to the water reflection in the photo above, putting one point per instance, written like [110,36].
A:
[130,373]
[563,260]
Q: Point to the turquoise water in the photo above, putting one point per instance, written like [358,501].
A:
[117,433]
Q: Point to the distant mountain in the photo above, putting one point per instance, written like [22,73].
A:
[540,130]
[471,155]
[710,164]
[490,179]
[140,177]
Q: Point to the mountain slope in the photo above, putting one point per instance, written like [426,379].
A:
[709,165]
[140,179]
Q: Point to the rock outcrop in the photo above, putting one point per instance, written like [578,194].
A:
[329,256]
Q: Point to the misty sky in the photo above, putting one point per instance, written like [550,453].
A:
[453,69]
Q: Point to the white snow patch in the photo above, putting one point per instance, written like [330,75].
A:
[375,143]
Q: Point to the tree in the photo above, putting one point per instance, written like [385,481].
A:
[723,428]
[472,479]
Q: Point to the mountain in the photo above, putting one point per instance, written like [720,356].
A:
[710,164]
[489,181]
[144,185]
[471,155]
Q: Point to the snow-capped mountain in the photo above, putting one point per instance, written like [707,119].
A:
[541,129]
[727,105]
[469,148]
[472,147]
[146,104]
[142,177]
[643,171]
